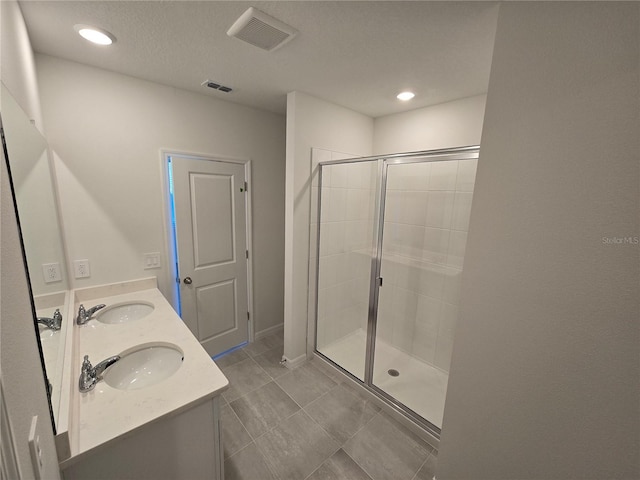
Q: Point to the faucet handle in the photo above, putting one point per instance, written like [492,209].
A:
[57,319]
[82,315]
[86,364]
[87,378]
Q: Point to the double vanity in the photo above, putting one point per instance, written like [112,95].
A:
[139,396]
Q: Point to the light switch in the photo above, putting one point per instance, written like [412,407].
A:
[151,260]
[35,449]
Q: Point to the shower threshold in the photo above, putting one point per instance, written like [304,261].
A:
[419,386]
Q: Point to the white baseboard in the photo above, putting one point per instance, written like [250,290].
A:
[293,363]
[269,331]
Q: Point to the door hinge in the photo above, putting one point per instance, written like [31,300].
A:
[380,281]
[246,253]
[248,316]
[244,187]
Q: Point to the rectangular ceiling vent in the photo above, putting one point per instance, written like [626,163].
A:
[216,86]
[261,30]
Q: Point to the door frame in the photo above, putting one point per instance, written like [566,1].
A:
[171,270]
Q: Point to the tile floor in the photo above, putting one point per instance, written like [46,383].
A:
[420,386]
[309,423]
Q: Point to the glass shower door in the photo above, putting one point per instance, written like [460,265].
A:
[346,242]
[426,216]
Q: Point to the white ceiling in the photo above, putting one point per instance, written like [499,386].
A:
[356,54]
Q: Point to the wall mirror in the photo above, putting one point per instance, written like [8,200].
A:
[35,197]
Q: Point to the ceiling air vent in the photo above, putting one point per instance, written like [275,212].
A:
[261,30]
[216,86]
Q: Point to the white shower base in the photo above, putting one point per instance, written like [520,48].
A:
[420,386]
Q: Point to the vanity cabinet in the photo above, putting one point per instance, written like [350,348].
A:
[183,446]
[133,428]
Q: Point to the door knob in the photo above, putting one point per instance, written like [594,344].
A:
[187,281]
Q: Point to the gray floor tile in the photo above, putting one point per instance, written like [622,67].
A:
[264,344]
[431,449]
[244,377]
[428,470]
[270,362]
[234,436]
[305,384]
[341,413]
[339,466]
[247,464]
[296,447]
[328,369]
[386,450]
[231,358]
[263,408]
[359,391]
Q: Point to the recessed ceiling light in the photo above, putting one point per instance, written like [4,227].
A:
[95,34]
[404,96]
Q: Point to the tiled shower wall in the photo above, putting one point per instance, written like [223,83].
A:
[427,211]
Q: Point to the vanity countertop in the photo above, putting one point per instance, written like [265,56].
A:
[104,414]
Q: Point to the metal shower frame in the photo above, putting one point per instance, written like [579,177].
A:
[383,162]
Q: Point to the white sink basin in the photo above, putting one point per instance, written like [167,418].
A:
[47,332]
[144,366]
[124,312]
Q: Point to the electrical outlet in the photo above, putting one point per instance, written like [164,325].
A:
[81,268]
[35,449]
[51,272]
[151,260]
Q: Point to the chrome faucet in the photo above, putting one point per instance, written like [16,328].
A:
[91,375]
[84,315]
[54,323]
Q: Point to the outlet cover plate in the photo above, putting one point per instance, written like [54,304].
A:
[51,272]
[81,268]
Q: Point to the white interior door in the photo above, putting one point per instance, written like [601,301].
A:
[211,234]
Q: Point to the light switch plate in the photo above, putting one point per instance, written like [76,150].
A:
[151,260]
[35,449]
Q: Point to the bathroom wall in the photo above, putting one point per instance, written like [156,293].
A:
[108,130]
[427,210]
[452,124]
[311,123]
[35,195]
[545,368]
[22,381]
[18,64]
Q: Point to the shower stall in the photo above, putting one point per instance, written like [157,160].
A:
[391,239]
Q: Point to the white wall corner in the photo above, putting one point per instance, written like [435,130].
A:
[292,363]
[311,122]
